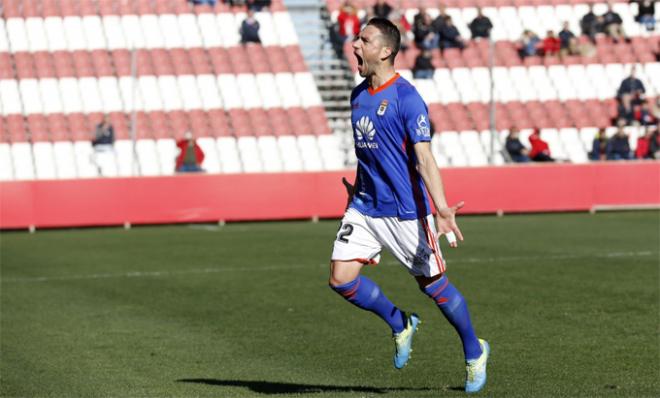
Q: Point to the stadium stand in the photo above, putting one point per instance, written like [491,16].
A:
[257,108]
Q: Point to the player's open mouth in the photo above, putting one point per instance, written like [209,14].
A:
[360,61]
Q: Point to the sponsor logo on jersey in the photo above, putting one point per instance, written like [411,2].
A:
[364,128]
[382,108]
[423,126]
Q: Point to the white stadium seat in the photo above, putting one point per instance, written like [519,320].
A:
[36,34]
[290,154]
[208,146]
[269,153]
[6,167]
[44,160]
[17,34]
[148,157]
[310,154]
[249,151]
[21,155]
[167,153]
[229,157]
[65,159]
[84,154]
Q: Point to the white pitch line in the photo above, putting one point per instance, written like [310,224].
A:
[468,260]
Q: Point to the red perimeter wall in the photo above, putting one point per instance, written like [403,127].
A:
[204,198]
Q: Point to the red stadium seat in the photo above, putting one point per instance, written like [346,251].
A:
[239,60]
[6,66]
[58,127]
[38,128]
[24,63]
[199,124]
[279,121]
[260,123]
[219,123]
[181,61]
[15,126]
[240,123]
[319,120]
[219,60]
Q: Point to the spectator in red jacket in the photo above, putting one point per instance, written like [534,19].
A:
[642,150]
[348,21]
[190,156]
[551,44]
[540,151]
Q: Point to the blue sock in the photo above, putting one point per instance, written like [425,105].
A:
[364,293]
[454,308]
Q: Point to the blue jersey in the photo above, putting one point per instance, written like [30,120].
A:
[387,122]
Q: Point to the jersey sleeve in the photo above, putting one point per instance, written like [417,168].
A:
[415,117]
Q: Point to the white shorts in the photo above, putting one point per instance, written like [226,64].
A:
[413,242]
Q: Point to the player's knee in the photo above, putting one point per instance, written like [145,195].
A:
[424,281]
[339,275]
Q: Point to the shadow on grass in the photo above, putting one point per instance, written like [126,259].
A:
[272,388]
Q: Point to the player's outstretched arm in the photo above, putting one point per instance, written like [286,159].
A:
[445,219]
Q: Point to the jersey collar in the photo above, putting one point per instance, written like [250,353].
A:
[383,86]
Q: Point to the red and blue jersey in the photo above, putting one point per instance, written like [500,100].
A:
[387,122]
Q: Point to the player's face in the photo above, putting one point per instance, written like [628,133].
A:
[369,50]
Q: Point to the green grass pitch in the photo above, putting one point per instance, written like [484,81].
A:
[569,303]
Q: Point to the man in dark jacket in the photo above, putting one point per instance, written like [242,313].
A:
[480,26]
[250,29]
[618,147]
[450,37]
[517,151]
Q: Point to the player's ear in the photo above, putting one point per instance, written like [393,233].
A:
[385,53]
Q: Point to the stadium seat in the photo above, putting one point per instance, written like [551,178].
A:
[23,163]
[249,152]
[167,153]
[269,153]
[229,157]
[6,167]
[208,146]
[44,160]
[290,153]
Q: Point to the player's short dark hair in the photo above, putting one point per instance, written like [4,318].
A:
[390,34]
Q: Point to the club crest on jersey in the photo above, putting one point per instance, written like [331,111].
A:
[382,108]
[423,126]
[364,128]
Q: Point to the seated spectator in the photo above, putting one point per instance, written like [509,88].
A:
[450,37]
[629,94]
[210,2]
[654,143]
[400,21]
[613,25]
[642,114]
[423,68]
[591,25]
[441,20]
[550,45]
[480,26]
[565,36]
[425,37]
[540,151]
[104,135]
[516,150]
[381,9]
[190,156]
[528,44]
[598,146]
[642,149]
[618,147]
[646,13]
[348,22]
[250,29]
[258,5]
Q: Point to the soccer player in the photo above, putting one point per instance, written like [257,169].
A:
[388,205]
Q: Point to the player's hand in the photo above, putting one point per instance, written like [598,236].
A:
[445,223]
[350,190]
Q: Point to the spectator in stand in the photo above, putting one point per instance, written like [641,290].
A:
[258,5]
[656,109]
[550,45]
[250,29]
[210,2]
[613,25]
[190,156]
[423,68]
[348,21]
[516,150]
[540,151]
[630,93]
[104,135]
[590,24]
[400,21]
[598,146]
[425,37]
[528,44]
[450,37]
[642,149]
[654,143]
[381,9]
[646,13]
[440,21]
[567,40]
[480,26]
[618,147]
[642,114]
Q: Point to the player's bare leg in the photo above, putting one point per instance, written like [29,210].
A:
[362,292]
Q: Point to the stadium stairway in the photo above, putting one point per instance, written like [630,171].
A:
[331,71]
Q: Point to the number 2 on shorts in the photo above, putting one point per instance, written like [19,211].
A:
[345,230]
